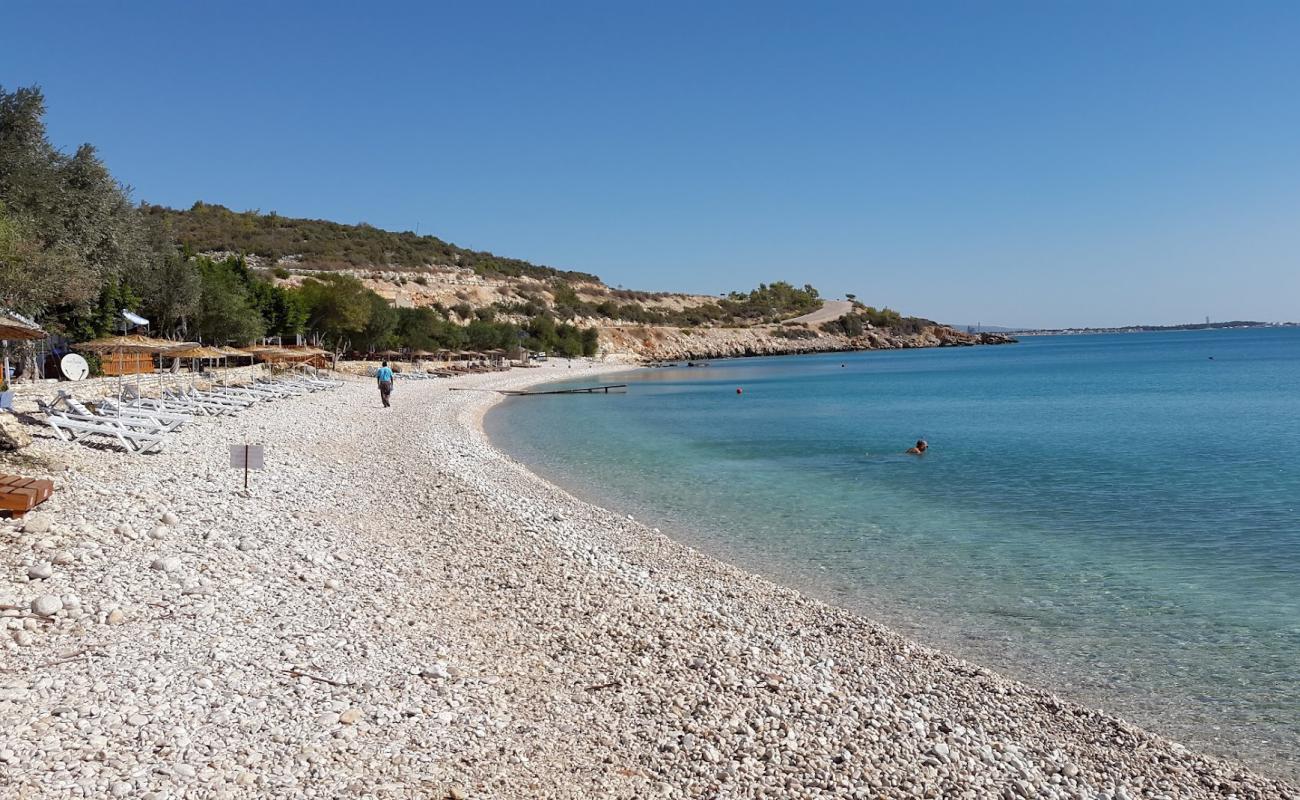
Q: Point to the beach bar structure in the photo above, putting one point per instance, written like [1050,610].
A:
[14,328]
[131,354]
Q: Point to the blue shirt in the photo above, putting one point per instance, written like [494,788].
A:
[384,374]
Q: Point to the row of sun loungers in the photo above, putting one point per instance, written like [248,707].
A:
[142,424]
[443,372]
[130,432]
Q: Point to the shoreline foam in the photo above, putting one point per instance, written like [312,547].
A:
[400,609]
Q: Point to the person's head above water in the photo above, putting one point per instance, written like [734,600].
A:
[921,445]
[920,448]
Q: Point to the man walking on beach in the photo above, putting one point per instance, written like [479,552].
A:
[385,376]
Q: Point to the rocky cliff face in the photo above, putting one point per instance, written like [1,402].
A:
[651,343]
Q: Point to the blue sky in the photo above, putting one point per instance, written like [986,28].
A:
[1025,163]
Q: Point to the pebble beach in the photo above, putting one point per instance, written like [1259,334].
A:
[396,609]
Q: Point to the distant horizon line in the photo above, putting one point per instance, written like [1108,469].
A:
[1135,327]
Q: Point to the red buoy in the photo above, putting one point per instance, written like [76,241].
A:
[739,390]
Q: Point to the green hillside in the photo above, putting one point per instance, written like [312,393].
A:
[322,244]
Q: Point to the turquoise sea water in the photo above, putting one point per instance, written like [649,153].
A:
[1116,518]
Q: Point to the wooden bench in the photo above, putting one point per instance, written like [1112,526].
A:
[18,495]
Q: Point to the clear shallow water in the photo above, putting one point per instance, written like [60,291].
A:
[1116,518]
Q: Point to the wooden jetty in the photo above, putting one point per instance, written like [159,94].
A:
[602,389]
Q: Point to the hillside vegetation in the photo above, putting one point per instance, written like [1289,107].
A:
[324,245]
[768,303]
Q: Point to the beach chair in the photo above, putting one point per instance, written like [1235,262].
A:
[129,397]
[318,384]
[161,421]
[296,386]
[316,380]
[71,428]
[283,388]
[133,423]
[211,406]
[18,495]
[252,392]
[164,404]
[219,395]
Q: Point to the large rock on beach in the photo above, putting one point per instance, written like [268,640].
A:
[12,434]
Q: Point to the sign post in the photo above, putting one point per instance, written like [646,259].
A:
[246,456]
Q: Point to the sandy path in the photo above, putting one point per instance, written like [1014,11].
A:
[830,310]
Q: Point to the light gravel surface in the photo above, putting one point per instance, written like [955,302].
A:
[830,310]
[398,610]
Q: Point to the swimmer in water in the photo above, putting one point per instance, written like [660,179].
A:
[919,449]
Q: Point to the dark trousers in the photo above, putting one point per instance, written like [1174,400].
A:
[385,389]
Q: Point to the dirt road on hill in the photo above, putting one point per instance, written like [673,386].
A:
[830,310]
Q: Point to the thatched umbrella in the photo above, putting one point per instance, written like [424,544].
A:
[15,327]
[229,352]
[195,354]
[257,352]
[314,356]
[299,354]
[133,343]
[199,352]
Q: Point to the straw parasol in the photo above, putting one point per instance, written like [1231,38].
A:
[288,355]
[197,352]
[16,327]
[314,356]
[134,343]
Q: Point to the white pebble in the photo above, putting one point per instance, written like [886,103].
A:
[166,564]
[47,605]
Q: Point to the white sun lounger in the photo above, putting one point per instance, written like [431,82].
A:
[129,423]
[205,405]
[282,388]
[158,421]
[71,429]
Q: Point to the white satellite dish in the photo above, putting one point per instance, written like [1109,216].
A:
[74,367]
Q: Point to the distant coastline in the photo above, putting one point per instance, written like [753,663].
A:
[1192,326]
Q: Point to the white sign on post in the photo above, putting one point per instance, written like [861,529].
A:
[246,457]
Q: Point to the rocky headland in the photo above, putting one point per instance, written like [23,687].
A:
[643,343]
